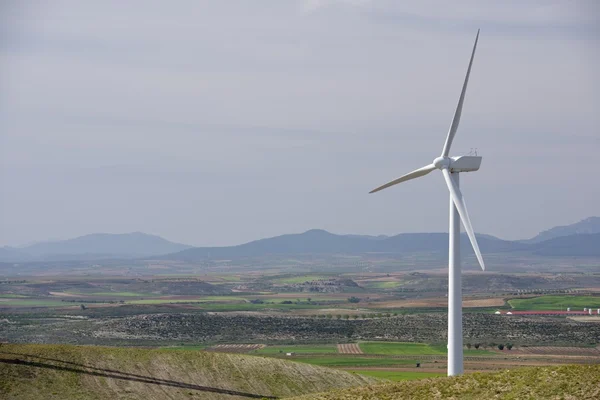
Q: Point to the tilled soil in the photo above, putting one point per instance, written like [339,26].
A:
[349,348]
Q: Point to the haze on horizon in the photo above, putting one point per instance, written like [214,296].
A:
[217,123]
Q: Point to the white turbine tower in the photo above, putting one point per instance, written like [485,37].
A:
[451,167]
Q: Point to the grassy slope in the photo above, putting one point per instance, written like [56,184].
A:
[90,372]
[398,375]
[564,382]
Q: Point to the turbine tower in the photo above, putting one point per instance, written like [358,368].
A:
[451,167]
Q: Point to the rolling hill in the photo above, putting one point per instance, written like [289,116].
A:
[324,243]
[581,245]
[94,246]
[90,372]
[579,240]
[589,225]
[564,382]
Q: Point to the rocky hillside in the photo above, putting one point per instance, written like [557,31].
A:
[88,372]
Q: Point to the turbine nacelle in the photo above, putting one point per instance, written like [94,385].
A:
[458,164]
[465,163]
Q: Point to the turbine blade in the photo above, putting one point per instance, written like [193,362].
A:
[411,175]
[461,206]
[456,119]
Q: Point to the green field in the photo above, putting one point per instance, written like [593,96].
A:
[398,375]
[555,303]
[383,285]
[35,303]
[344,361]
[301,279]
[303,296]
[192,347]
[299,349]
[115,294]
[401,348]
[254,307]
[200,299]
[229,278]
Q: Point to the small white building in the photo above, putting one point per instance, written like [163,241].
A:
[509,313]
[497,313]
[290,354]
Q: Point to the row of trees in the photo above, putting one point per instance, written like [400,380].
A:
[492,345]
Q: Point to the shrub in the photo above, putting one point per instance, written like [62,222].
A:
[353,299]
[500,346]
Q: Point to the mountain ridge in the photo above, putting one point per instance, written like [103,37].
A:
[578,239]
[94,246]
[588,225]
[322,242]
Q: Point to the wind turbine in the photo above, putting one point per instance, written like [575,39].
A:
[451,167]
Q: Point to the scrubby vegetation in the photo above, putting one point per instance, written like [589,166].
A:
[86,372]
[161,329]
[398,375]
[565,382]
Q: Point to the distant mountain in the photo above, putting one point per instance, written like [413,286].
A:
[318,241]
[581,239]
[589,225]
[94,246]
[580,245]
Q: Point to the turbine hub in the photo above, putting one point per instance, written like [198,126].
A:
[442,162]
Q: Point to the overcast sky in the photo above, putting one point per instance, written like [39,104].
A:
[220,122]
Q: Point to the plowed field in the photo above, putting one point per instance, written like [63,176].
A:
[349,348]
